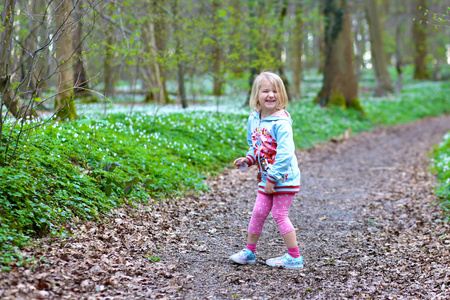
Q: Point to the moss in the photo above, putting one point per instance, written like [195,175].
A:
[356,104]
[68,110]
[318,98]
[337,99]
[89,99]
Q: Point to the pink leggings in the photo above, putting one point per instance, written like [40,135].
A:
[279,204]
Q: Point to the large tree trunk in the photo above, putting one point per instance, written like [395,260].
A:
[153,70]
[160,94]
[321,41]
[64,104]
[421,71]
[217,56]
[379,63]
[80,78]
[297,47]
[9,96]
[158,36]
[339,85]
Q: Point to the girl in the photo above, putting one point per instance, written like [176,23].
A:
[269,136]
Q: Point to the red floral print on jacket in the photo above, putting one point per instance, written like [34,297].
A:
[267,149]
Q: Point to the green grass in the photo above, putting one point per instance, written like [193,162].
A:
[85,168]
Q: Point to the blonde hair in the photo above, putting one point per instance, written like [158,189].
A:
[276,82]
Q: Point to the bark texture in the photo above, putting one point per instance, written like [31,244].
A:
[421,71]
[297,47]
[360,41]
[379,62]
[153,70]
[64,104]
[281,72]
[178,52]
[217,56]
[80,78]
[10,99]
[108,67]
[339,85]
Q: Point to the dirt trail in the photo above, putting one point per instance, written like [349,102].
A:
[366,220]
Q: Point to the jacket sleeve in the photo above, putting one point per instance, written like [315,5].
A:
[250,153]
[285,151]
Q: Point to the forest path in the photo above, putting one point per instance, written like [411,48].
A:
[366,220]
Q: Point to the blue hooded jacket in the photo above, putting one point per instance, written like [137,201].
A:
[271,147]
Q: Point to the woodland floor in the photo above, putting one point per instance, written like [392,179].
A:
[367,220]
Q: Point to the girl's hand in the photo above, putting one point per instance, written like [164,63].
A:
[269,189]
[240,161]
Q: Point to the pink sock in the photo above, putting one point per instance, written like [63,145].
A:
[294,252]
[251,248]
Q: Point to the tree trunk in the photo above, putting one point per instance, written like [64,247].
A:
[64,104]
[44,58]
[360,41]
[321,41]
[398,59]
[9,96]
[146,68]
[252,6]
[279,47]
[158,36]
[399,33]
[421,71]
[297,47]
[256,8]
[178,52]
[339,85]
[109,78]
[80,78]
[217,55]
[28,74]
[379,63]
[153,31]
[160,93]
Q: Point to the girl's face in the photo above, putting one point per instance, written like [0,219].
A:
[268,98]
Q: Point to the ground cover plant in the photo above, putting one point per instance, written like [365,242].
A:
[82,169]
[441,164]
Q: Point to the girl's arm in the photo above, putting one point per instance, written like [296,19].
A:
[251,152]
[285,151]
